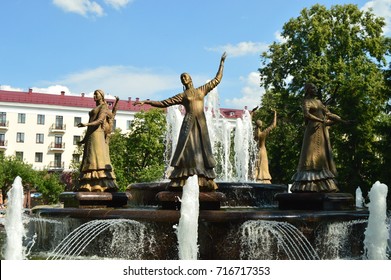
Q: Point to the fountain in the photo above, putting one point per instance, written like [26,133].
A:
[14,223]
[244,223]
[243,219]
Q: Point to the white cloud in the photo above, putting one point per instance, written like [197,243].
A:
[10,88]
[55,89]
[251,93]
[241,49]
[81,7]
[381,8]
[118,4]
[122,81]
[89,7]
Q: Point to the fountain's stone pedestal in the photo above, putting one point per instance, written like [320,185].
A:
[94,199]
[315,201]
[207,200]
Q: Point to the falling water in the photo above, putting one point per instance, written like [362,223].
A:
[244,147]
[376,233]
[226,166]
[124,232]
[174,119]
[270,239]
[187,229]
[335,240]
[13,223]
[212,115]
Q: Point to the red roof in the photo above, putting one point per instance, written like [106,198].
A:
[31,97]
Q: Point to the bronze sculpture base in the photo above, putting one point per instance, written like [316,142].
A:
[315,201]
[207,200]
[94,199]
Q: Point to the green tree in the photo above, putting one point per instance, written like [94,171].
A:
[119,158]
[343,52]
[41,181]
[138,156]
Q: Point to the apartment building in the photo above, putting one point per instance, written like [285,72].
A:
[41,129]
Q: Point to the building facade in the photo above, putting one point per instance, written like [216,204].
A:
[41,129]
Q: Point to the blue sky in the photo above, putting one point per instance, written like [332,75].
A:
[139,48]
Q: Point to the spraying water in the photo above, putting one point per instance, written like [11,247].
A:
[14,222]
[187,229]
[258,241]
[359,198]
[123,232]
[376,233]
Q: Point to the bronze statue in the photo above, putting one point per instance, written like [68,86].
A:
[262,174]
[193,154]
[96,171]
[316,170]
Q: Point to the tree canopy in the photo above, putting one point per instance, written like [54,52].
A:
[138,156]
[49,184]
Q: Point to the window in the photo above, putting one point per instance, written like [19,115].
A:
[2,139]
[76,121]
[57,161]
[59,122]
[20,137]
[40,119]
[3,119]
[128,124]
[19,155]
[76,139]
[58,141]
[21,118]
[38,157]
[39,138]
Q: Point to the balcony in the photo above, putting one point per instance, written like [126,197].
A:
[3,145]
[57,147]
[56,165]
[58,128]
[4,125]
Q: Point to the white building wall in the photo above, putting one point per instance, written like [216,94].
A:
[29,147]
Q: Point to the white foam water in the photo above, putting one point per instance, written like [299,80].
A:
[187,229]
[376,233]
[13,223]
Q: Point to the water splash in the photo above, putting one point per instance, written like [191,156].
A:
[133,232]
[13,223]
[376,233]
[187,229]
[273,240]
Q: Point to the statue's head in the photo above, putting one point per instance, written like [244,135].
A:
[186,79]
[99,94]
[259,123]
[310,89]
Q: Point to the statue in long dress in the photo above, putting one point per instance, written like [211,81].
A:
[316,171]
[96,171]
[262,173]
[193,154]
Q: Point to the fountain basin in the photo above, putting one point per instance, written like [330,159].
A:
[220,232]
